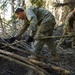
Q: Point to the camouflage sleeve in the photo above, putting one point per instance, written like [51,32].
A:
[70,15]
[23,29]
[67,21]
[32,18]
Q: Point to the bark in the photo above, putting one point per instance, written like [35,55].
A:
[13,29]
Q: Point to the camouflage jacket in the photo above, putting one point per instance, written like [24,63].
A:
[34,16]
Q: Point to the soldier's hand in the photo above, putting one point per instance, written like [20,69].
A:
[12,39]
[30,39]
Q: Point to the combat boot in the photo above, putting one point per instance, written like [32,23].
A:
[55,57]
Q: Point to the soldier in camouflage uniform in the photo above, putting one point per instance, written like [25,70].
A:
[42,23]
[69,29]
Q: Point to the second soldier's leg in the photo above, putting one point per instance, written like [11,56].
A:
[73,42]
[62,40]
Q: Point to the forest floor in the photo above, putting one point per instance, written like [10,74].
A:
[67,61]
[66,55]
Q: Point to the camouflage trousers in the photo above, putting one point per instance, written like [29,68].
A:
[62,40]
[38,45]
[45,29]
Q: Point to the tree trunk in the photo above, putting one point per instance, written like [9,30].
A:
[13,23]
[23,4]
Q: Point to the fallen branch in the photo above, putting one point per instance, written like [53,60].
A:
[21,63]
[14,43]
[28,63]
[40,38]
[48,37]
[23,59]
[21,50]
[49,66]
[40,63]
[29,52]
[59,69]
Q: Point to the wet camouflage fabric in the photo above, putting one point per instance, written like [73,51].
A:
[42,23]
[69,23]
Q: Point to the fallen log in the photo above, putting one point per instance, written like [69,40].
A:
[32,63]
[24,60]
[21,63]
[13,48]
[50,66]
[42,66]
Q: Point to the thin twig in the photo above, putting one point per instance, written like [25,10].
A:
[48,37]
[15,43]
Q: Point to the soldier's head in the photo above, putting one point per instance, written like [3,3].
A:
[19,13]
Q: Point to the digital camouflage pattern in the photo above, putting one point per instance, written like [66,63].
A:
[42,23]
[69,28]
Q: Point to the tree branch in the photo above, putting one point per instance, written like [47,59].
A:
[24,60]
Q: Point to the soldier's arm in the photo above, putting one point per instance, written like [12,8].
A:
[68,18]
[32,18]
[22,30]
